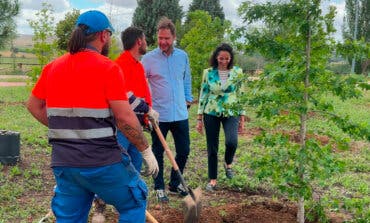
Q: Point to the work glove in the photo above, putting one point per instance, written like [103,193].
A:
[153,116]
[139,106]
[150,163]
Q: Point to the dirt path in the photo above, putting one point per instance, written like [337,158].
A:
[13,76]
[12,84]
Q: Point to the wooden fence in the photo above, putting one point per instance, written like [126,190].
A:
[17,65]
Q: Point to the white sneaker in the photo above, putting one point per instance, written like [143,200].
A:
[161,195]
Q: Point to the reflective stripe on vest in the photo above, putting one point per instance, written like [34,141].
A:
[80,134]
[80,112]
[80,123]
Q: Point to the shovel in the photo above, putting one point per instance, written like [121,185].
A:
[192,202]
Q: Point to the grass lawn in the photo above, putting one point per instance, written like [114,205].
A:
[27,187]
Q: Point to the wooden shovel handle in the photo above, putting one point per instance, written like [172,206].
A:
[165,146]
[170,156]
[150,217]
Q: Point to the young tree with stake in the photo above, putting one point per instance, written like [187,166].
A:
[297,39]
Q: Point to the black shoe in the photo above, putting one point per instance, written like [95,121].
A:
[229,172]
[210,187]
[180,190]
[161,196]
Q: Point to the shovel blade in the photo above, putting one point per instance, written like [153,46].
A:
[192,206]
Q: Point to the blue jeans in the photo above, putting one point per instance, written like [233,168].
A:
[180,133]
[212,126]
[136,157]
[117,184]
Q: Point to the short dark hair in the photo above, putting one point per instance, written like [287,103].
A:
[79,39]
[222,47]
[129,37]
[166,23]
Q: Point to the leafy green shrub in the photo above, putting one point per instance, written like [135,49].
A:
[34,74]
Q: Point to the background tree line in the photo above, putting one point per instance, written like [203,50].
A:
[199,31]
[361,33]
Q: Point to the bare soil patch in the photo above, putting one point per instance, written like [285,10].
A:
[233,207]
[13,76]
[7,53]
[230,207]
[12,84]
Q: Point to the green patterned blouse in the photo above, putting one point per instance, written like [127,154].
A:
[217,99]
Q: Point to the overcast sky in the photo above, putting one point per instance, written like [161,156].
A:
[121,11]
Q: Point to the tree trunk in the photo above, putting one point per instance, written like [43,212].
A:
[364,67]
[300,211]
[303,129]
[303,117]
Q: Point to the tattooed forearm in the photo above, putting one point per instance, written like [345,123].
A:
[135,136]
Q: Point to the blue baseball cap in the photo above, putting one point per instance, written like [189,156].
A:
[95,20]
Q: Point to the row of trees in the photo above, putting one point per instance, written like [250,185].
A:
[203,30]
[356,27]
[148,12]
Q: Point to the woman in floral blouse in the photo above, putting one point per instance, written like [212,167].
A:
[220,89]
